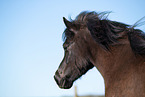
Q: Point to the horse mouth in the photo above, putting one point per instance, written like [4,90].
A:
[63,82]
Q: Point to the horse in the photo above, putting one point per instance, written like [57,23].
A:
[116,49]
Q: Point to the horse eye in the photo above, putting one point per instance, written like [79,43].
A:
[65,48]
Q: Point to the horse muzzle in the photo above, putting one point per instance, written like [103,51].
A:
[63,83]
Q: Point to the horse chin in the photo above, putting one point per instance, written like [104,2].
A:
[66,84]
[63,83]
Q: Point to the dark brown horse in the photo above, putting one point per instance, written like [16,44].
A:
[116,49]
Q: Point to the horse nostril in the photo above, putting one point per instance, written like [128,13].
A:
[61,74]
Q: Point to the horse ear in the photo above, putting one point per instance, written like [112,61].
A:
[67,23]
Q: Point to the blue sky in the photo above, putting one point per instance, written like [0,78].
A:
[31,43]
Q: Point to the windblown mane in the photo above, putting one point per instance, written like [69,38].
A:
[107,32]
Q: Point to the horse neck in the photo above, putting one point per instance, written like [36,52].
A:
[119,64]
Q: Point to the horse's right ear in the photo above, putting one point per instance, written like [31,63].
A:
[67,23]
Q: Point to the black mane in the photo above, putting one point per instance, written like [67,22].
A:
[107,32]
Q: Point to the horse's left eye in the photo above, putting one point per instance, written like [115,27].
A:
[65,48]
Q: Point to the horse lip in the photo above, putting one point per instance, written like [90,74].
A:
[66,84]
[63,83]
